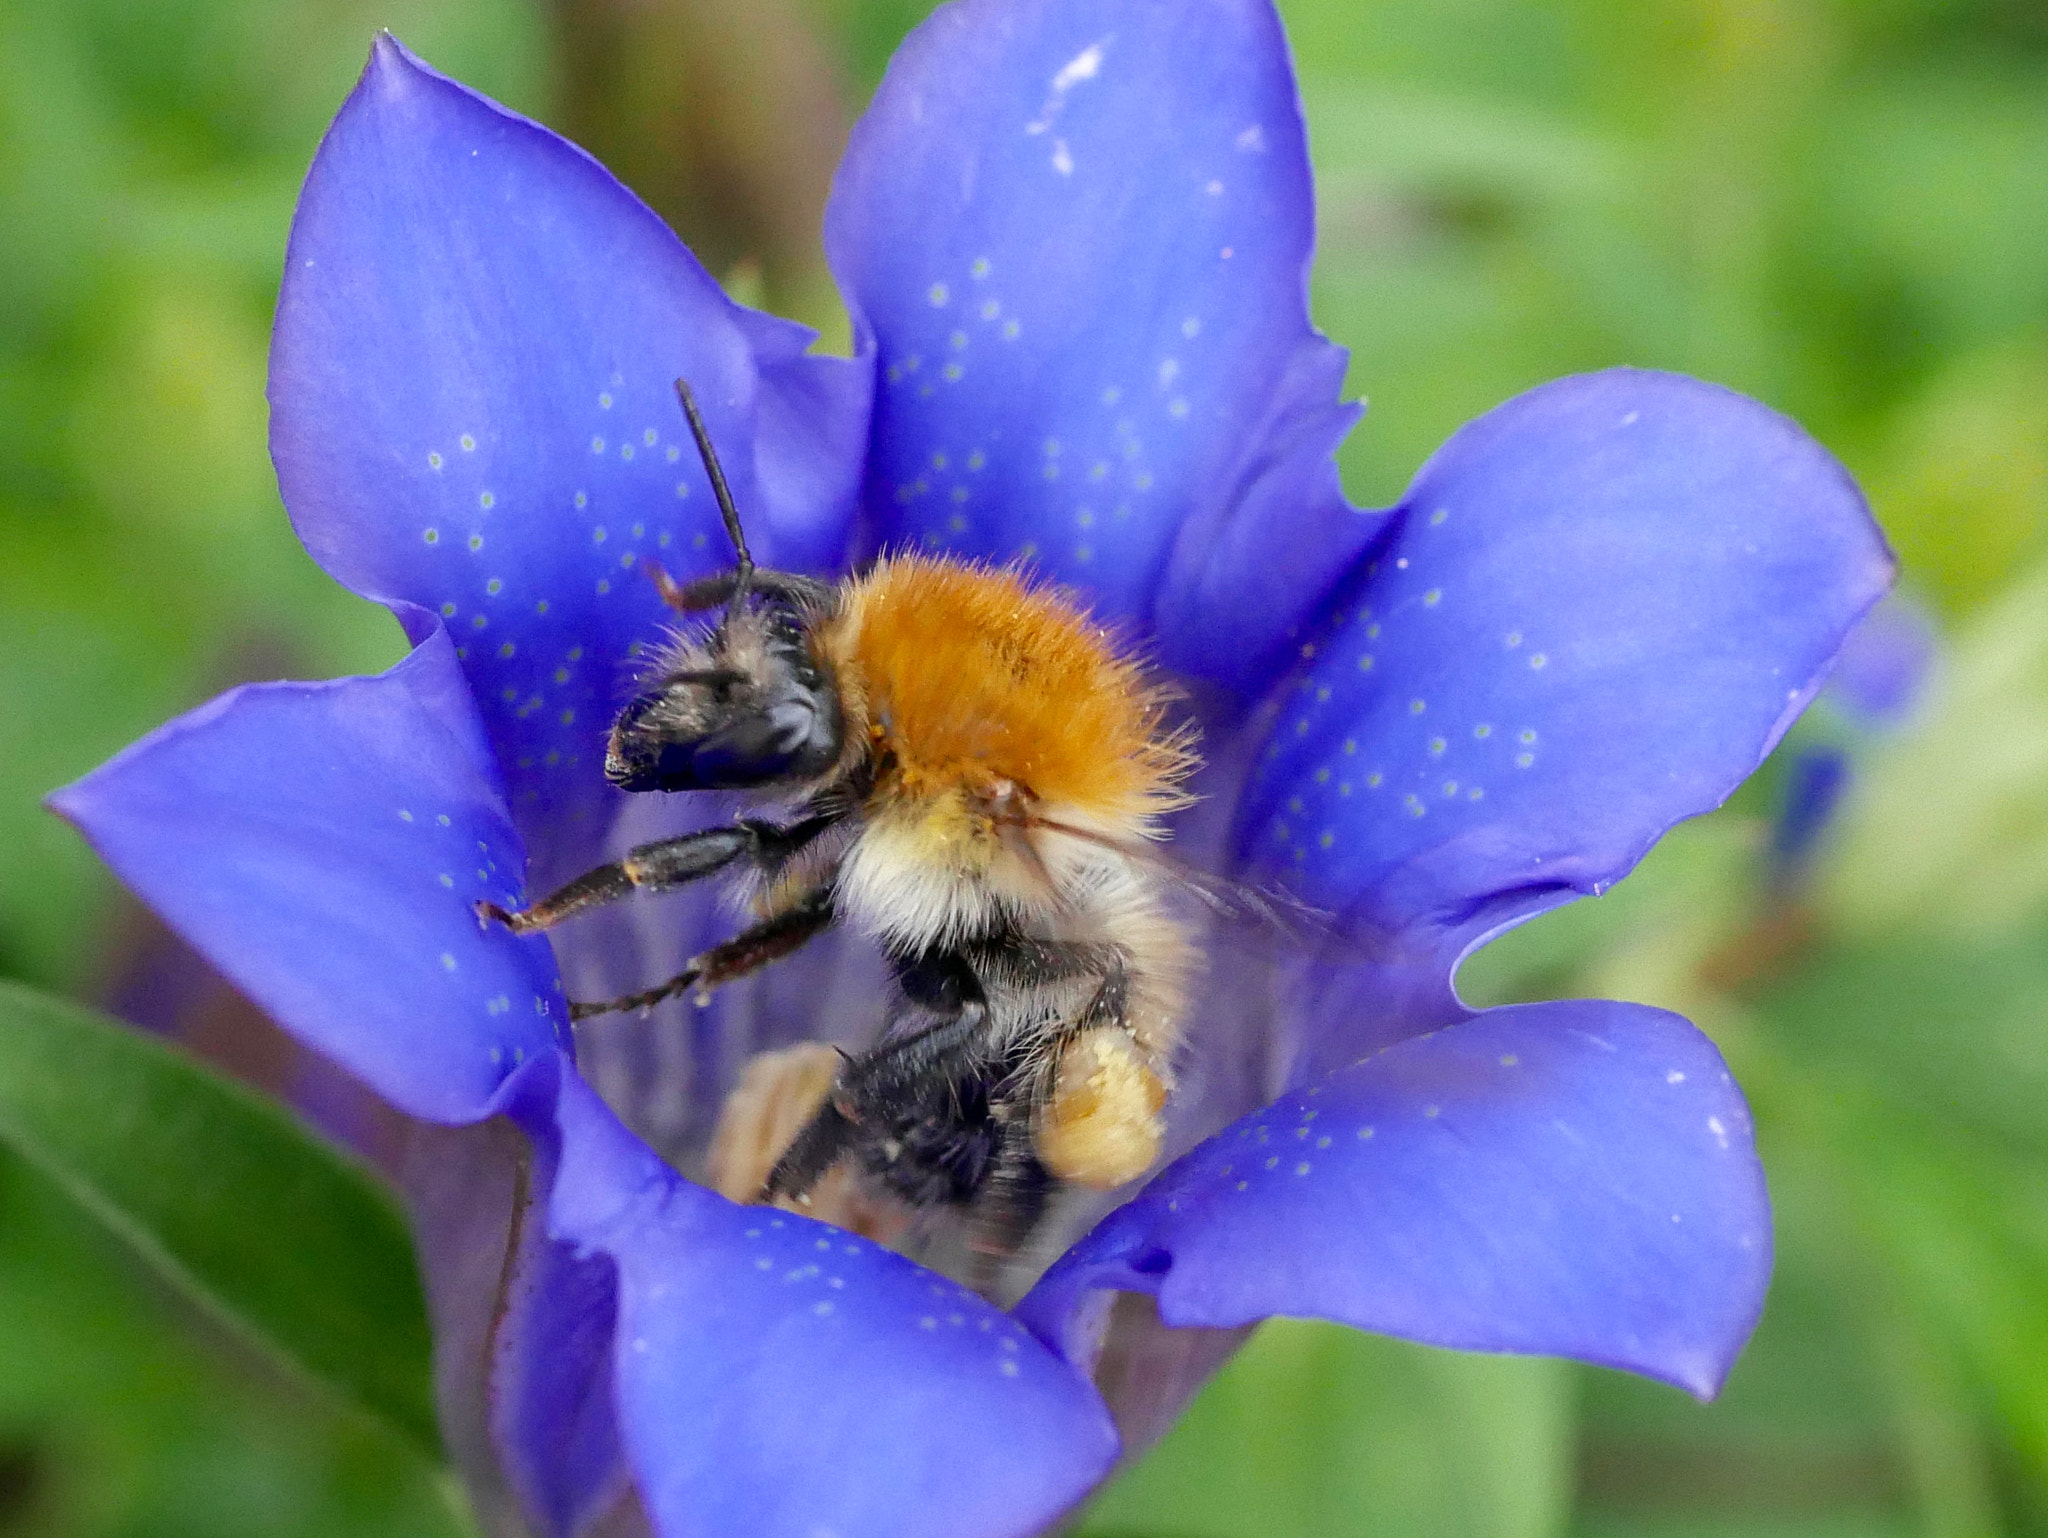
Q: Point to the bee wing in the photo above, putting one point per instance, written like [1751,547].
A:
[1272,910]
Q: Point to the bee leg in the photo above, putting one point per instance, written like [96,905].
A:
[1112,1000]
[746,952]
[660,866]
[1100,1121]
[825,1138]
[883,1079]
[872,1091]
[1018,1191]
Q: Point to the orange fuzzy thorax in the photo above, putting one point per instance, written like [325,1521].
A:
[972,679]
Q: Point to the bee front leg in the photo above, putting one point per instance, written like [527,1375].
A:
[872,1090]
[660,867]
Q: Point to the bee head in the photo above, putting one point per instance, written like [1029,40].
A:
[748,706]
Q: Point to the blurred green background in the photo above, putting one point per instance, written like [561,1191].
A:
[1840,206]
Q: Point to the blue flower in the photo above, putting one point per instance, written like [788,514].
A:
[1073,235]
[1879,677]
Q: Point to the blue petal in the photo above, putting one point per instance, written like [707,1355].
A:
[553,1409]
[1885,665]
[322,844]
[1604,603]
[471,383]
[780,1377]
[471,1193]
[1575,1179]
[1077,236]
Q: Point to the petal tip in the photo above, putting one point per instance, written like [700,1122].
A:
[389,58]
[393,73]
[63,801]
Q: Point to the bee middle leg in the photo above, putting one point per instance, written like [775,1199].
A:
[872,1091]
[880,1093]
[746,952]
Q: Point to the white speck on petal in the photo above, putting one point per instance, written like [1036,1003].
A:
[1081,67]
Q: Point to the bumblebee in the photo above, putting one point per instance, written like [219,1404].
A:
[969,770]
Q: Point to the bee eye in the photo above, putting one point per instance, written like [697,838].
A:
[728,743]
[758,746]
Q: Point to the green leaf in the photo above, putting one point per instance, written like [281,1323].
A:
[228,1196]
[1948,833]
[1314,1429]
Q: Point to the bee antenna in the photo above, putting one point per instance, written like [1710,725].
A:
[744,564]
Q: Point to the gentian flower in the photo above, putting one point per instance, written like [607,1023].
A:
[1073,235]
